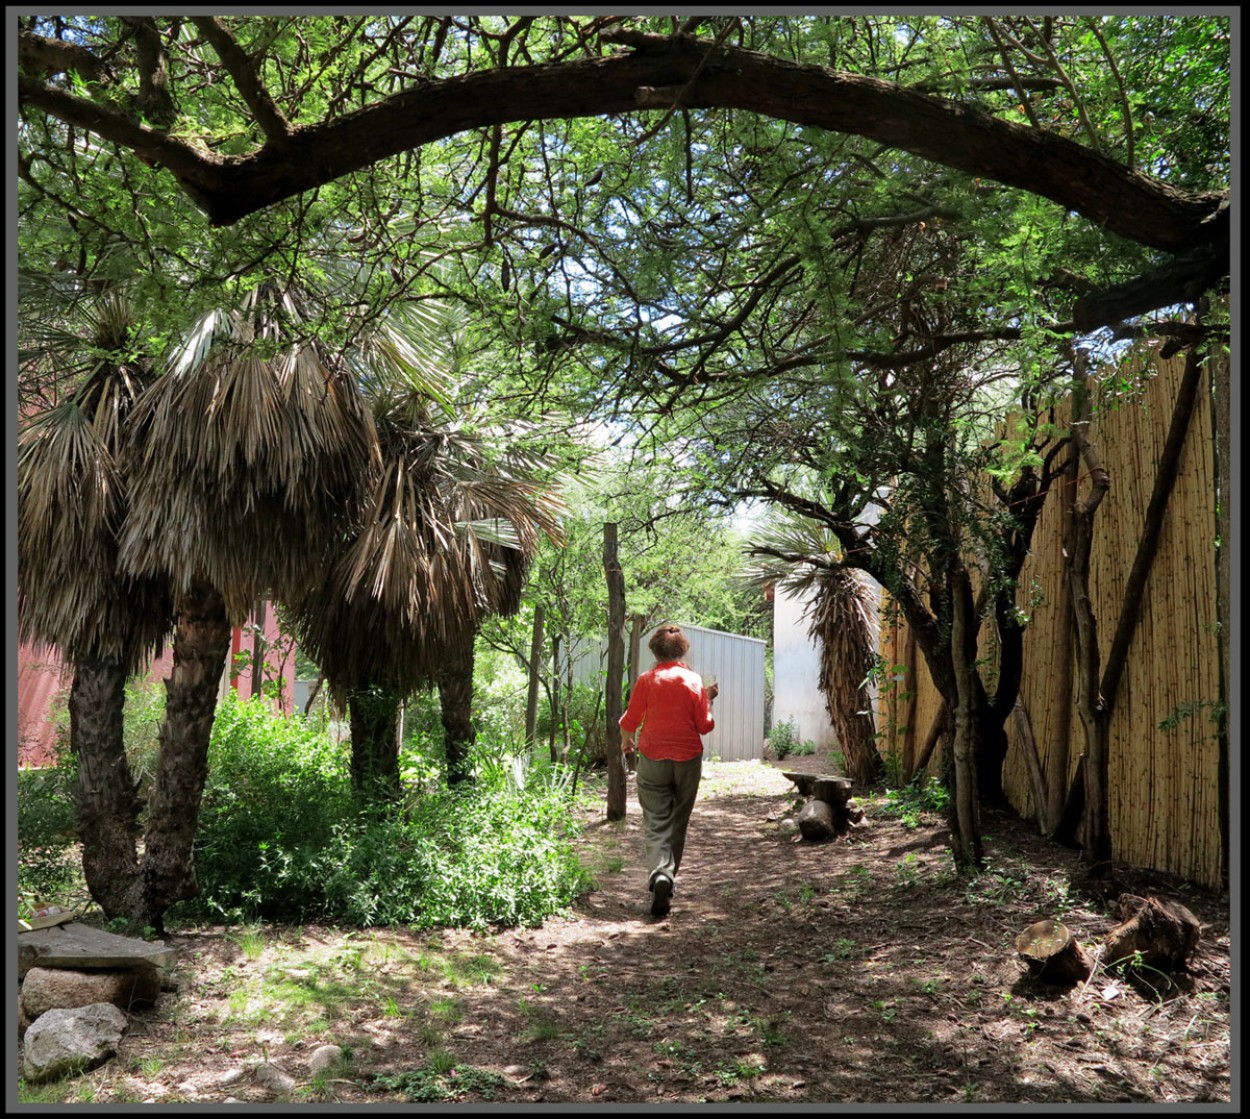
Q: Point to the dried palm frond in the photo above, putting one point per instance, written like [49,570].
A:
[246,455]
[803,558]
[72,503]
[443,538]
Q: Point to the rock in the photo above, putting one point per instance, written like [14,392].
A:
[323,1058]
[816,820]
[49,988]
[230,1077]
[71,1040]
[80,946]
[272,1077]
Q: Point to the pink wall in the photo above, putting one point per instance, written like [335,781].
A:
[40,681]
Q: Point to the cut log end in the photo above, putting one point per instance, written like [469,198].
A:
[816,820]
[1053,954]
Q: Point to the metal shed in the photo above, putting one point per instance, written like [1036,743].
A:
[737,662]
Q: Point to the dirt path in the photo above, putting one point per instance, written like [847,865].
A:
[858,971]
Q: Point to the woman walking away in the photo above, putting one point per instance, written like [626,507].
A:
[673,709]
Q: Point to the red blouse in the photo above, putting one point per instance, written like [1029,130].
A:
[670,704]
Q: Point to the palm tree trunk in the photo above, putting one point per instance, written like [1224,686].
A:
[105,800]
[201,647]
[455,689]
[374,716]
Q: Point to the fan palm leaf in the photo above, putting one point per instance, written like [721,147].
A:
[245,455]
[442,539]
[73,500]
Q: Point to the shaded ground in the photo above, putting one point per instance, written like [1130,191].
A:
[859,971]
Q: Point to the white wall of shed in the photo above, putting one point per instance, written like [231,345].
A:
[796,667]
[796,673]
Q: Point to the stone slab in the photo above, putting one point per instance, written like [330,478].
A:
[75,945]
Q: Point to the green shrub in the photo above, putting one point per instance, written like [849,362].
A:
[282,838]
[141,724]
[464,857]
[783,738]
[275,790]
[47,869]
[912,801]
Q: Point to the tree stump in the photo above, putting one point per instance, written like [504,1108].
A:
[1053,954]
[1164,932]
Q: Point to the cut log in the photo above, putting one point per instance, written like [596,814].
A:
[823,786]
[1053,954]
[816,820]
[1164,932]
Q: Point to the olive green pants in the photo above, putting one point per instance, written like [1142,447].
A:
[666,793]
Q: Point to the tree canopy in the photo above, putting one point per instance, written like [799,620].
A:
[373,127]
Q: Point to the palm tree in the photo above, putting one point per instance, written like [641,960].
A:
[242,459]
[448,522]
[72,501]
[803,559]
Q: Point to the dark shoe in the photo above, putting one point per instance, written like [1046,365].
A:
[661,892]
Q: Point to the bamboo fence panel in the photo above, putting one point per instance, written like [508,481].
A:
[1163,746]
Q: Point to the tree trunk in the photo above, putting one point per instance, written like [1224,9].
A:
[455,689]
[105,801]
[841,627]
[1060,752]
[201,647]
[1037,779]
[258,649]
[1089,700]
[940,728]
[531,697]
[1154,933]
[857,735]
[815,820]
[992,738]
[635,647]
[555,698]
[910,764]
[1096,696]
[374,717]
[965,817]
[616,666]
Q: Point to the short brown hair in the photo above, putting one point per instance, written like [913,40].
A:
[668,643]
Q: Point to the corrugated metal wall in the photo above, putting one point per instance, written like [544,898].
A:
[737,663]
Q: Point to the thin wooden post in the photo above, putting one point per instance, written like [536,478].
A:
[616,664]
[531,699]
